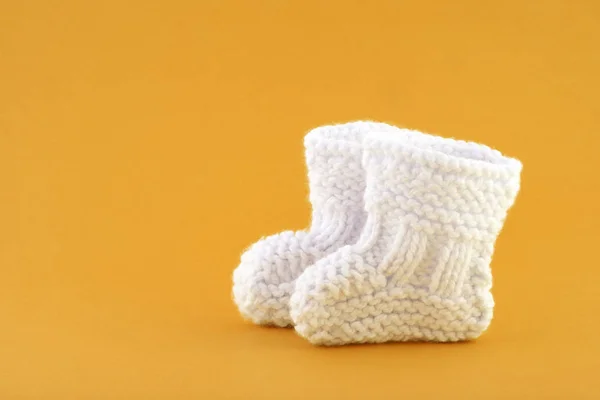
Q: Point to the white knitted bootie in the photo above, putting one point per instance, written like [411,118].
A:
[420,270]
[265,279]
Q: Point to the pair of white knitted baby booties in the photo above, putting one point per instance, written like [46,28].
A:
[400,244]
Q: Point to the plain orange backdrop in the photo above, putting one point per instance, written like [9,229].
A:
[145,144]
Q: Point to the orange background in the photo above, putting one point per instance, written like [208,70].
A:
[144,145]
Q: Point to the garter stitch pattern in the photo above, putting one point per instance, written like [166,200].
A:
[420,270]
[265,278]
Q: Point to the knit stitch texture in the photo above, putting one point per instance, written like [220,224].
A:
[421,267]
[265,278]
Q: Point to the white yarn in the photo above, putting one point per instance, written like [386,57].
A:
[420,270]
[264,280]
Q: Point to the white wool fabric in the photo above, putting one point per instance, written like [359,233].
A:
[420,270]
[265,278]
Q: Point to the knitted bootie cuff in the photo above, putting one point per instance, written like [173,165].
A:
[438,184]
[334,157]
